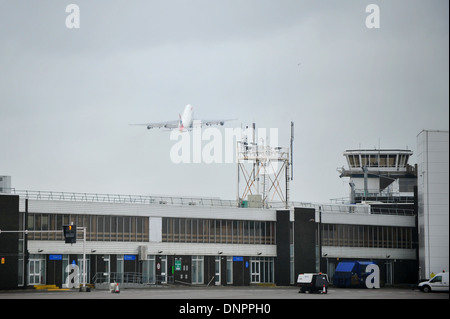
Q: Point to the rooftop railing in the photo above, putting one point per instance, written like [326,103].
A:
[197,201]
[126,199]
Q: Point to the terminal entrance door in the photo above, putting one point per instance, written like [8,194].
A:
[34,271]
[217,268]
[164,269]
[389,273]
[255,271]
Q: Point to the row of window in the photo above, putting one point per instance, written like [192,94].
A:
[98,227]
[136,229]
[187,230]
[191,230]
[378,160]
[366,236]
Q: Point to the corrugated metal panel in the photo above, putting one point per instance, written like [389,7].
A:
[95,208]
[59,247]
[368,219]
[368,253]
[132,248]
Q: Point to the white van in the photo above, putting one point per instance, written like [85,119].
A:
[437,283]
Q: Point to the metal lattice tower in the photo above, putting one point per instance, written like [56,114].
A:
[264,171]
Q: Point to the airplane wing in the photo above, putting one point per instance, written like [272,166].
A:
[215,122]
[168,124]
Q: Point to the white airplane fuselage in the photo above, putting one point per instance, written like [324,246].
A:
[185,121]
[186,118]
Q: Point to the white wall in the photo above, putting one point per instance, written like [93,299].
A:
[433,197]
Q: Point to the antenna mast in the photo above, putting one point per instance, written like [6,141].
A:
[261,163]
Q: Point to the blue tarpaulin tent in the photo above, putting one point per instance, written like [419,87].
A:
[351,274]
[345,266]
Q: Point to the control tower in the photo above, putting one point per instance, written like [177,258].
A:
[380,175]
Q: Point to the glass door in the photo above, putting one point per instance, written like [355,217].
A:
[197,269]
[107,274]
[255,271]
[120,269]
[389,273]
[88,270]
[148,270]
[164,269]
[34,272]
[229,270]
[217,268]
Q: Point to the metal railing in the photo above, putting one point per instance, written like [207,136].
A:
[340,206]
[125,199]
[392,211]
[118,277]
[361,209]
[133,278]
[367,209]
[135,199]
[385,196]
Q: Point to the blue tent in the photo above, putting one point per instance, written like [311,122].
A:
[351,274]
[345,266]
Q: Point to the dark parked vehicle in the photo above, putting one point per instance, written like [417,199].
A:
[313,283]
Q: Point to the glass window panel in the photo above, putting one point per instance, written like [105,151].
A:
[246,231]
[93,228]
[212,231]
[188,227]
[126,228]
[201,231]
[146,235]
[107,228]
[37,226]
[119,228]
[194,225]
[182,234]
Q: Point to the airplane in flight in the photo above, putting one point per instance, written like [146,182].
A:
[185,121]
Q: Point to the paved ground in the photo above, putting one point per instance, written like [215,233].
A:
[224,293]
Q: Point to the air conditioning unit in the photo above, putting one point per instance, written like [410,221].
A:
[254,201]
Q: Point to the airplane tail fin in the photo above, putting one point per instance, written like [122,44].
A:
[180,123]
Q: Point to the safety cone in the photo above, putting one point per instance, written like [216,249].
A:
[324,290]
[117,290]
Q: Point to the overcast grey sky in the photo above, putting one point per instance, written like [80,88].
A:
[68,95]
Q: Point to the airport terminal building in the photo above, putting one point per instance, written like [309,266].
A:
[139,240]
[396,216]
